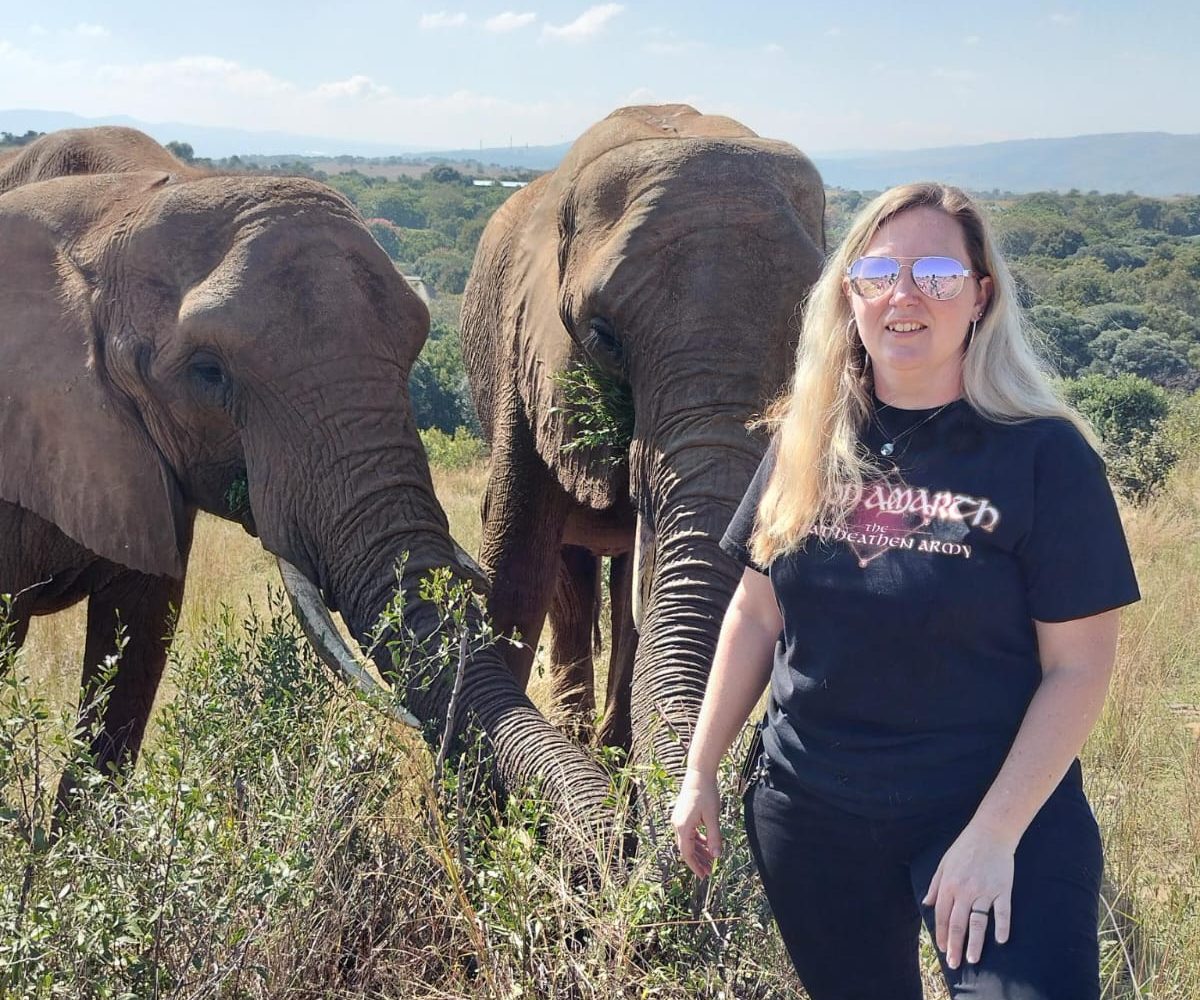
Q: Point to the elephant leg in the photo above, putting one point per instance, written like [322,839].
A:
[32,554]
[142,605]
[572,624]
[616,729]
[524,516]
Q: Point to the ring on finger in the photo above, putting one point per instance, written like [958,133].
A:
[976,911]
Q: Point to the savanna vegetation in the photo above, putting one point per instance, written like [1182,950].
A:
[280,838]
[1111,282]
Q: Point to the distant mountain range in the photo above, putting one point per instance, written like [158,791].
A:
[206,140]
[1148,163]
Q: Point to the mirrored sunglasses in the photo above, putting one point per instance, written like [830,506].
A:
[939,278]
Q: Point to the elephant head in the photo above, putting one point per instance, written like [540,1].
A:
[671,251]
[168,333]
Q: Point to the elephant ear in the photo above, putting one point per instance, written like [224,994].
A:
[545,352]
[72,449]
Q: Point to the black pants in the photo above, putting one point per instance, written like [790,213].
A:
[846,893]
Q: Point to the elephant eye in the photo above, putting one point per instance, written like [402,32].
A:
[601,342]
[207,373]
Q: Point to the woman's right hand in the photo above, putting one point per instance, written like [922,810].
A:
[697,821]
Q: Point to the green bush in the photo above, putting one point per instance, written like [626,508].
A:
[1118,406]
[1128,412]
[459,450]
[445,268]
[250,814]
[437,385]
[1181,429]
[1143,352]
[278,839]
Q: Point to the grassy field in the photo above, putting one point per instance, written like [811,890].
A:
[301,894]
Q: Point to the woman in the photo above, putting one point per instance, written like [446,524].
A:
[933,566]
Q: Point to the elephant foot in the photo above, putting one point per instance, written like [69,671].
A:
[572,701]
[615,731]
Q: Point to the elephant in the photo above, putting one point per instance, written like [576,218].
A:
[167,333]
[668,254]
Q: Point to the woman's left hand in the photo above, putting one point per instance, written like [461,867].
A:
[972,885]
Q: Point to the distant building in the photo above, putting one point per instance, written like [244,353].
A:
[487,182]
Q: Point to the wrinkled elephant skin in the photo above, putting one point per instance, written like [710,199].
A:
[168,332]
[672,251]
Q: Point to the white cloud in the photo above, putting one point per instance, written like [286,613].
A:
[1064,18]
[442,19]
[586,25]
[356,87]
[213,91]
[206,75]
[509,21]
[85,30]
[834,31]
[38,30]
[972,40]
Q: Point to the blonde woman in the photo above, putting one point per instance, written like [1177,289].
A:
[933,566]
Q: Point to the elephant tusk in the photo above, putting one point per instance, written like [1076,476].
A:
[473,568]
[327,641]
[643,569]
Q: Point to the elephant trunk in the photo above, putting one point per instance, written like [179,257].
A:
[352,524]
[694,489]
[516,741]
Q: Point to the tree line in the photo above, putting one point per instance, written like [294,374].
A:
[10,140]
[1111,282]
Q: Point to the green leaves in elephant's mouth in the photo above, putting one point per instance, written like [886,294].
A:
[599,409]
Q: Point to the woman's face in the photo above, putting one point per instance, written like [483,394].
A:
[915,342]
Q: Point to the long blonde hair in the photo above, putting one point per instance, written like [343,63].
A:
[820,469]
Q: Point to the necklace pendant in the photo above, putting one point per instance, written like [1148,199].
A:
[887,448]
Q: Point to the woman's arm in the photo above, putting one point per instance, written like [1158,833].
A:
[976,872]
[741,667]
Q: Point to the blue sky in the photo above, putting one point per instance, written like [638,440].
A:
[825,76]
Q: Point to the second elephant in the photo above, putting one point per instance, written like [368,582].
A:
[668,255]
[167,335]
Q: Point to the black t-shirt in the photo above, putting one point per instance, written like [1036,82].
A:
[908,654]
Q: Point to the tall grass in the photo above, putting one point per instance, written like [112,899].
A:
[279,839]
[1143,760]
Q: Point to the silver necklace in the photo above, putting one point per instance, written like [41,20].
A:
[889,446]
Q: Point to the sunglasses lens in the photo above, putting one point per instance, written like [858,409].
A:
[938,277]
[871,277]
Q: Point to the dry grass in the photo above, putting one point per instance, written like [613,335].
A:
[1142,763]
